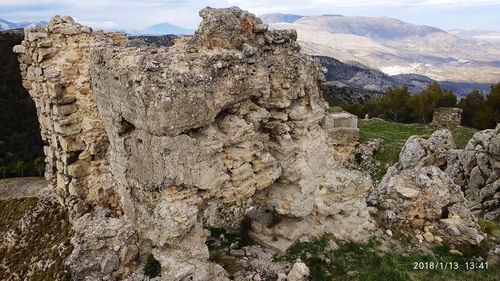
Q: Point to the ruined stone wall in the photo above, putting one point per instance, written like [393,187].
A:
[447,116]
[55,64]
[476,169]
[144,139]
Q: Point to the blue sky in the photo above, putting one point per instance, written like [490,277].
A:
[446,14]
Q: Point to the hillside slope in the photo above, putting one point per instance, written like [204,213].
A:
[396,47]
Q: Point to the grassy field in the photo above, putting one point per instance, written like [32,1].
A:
[395,136]
[365,261]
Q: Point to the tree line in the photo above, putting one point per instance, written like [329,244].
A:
[398,105]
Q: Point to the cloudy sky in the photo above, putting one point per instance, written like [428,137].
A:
[446,14]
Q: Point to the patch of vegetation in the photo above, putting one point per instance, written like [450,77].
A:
[398,105]
[221,242]
[492,228]
[365,261]
[214,242]
[45,239]
[395,136]
[152,268]
[11,211]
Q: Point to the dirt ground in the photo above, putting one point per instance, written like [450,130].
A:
[16,188]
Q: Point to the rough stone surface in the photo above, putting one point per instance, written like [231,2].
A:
[364,152]
[56,72]
[447,116]
[493,258]
[103,245]
[416,194]
[299,272]
[142,140]
[476,169]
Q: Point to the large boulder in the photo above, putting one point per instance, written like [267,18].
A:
[477,170]
[416,195]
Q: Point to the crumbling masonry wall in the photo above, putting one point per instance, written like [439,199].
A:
[141,140]
[447,116]
[55,67]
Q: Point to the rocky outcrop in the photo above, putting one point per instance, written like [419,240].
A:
[159,135]
[416,195]
[299,272]
[476,169]
[447,116]
[363,155]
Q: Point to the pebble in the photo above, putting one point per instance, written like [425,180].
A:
[428,237]
[420,238]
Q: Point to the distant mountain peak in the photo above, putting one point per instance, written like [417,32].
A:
[279,17]
[6,25]
[332,15]
[164,28]
[373,27]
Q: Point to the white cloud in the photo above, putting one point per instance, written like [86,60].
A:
[141,13]
[99,24]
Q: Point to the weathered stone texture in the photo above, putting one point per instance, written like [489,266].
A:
[156,135]
[476,169]
[447,116]
[417,195]
[56,69]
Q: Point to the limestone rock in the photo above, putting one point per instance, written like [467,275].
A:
[476,169]
[493,258]
[103,247]
[299,272]
[416,192]
[158,136]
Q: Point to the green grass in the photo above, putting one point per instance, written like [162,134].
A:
[365,261]
[492,228]
[395,136]
[214,242]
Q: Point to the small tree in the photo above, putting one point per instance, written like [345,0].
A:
[447,99]
[471,104]
[493,102]
[395,103]
[20,167]
[484,119]
[39,165]
[3,171]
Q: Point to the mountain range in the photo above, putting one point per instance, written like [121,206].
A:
[367,55]
[163,28]
[394,46]
[6,25]
[485,35]
[354,82]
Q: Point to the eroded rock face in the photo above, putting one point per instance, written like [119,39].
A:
[156,135]
[477,170]
[417,194]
